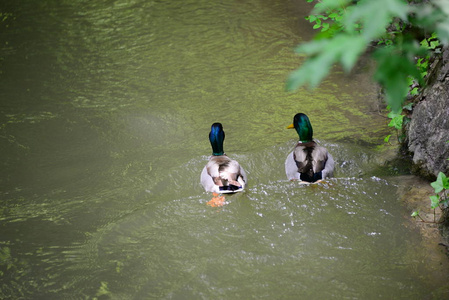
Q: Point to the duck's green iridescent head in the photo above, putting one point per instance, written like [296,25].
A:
[216,138]
[303,127]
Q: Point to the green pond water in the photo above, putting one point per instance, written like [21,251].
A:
[105,111]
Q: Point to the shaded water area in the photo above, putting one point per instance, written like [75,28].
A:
[105,111]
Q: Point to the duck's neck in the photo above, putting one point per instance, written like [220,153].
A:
[217,146]
[305,134]
[303,128]
[218,153]
[216,138]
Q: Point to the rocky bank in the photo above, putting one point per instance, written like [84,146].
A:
[428,131]
[427,134]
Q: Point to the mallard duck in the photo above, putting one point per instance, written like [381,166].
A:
[308,161]
[221,174]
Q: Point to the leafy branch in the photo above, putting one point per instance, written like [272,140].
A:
[441,197]
[352,27]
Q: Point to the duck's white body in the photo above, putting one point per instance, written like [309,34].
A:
[223,175]
[322,161]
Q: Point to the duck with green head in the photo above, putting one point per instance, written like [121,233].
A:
[308,161]
[221,174]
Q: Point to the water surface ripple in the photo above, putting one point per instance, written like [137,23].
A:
[106,107]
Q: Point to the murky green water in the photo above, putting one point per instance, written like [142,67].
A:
[105,111]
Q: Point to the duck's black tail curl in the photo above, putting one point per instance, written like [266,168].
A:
[307,174]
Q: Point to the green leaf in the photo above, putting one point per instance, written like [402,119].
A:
[433,18]
[441,183]
[352,47]
[329,5]
[434,44]
[409,106]
[323,54]
[443,4]
[396,120]
[415,213]
[375,16]
[394,65]
[311,18]
[434,201]
[445,182]
[311,72]
[332,31]
[393,115]
[424,44]
[387,138]
[311,48]
[442,29]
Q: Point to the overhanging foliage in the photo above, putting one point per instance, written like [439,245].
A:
[352,26]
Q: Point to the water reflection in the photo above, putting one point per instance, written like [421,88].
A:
[106,107]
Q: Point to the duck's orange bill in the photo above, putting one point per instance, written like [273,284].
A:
[291,126]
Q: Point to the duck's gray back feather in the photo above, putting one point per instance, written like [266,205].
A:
[297,161]
[314,157]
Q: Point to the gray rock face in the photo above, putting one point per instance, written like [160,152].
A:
[428,131]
